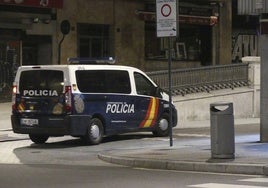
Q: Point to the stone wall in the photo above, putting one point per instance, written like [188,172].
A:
[246,100]
[127,31]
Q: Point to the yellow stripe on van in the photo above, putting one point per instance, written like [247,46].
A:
[151,114]
[21,107]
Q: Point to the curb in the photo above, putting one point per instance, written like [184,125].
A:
[231,168]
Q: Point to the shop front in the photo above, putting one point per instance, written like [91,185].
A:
[192,47]
[27,30]
[127,31]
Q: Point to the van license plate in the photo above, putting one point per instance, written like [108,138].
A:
[30,122]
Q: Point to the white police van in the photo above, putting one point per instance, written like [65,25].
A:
[88,101]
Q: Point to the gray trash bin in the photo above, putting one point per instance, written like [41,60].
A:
[222,130]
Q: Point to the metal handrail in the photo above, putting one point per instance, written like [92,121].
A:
[203,79]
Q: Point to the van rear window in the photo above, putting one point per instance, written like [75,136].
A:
[41,83]
[103,81]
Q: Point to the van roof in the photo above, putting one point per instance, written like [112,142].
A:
[81,67]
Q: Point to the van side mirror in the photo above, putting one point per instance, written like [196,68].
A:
[158,91]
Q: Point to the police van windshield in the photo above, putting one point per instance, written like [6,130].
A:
[103,81]
[41,83]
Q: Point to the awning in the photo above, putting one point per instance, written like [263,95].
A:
[198,20]
[185,19]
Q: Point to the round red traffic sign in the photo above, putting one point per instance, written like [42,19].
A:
[166,10]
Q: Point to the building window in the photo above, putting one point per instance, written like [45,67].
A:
[192,44]
[184,47]
[94,40]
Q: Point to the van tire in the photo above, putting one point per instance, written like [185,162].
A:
[38,139]
[162,126]
[94,134]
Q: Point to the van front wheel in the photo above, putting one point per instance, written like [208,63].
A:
[162,127]
[94,133]
[38,139]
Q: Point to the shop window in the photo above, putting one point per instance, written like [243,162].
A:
[186,47]
[94,40]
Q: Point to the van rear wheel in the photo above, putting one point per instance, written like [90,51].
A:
[94,133]
[38,139]
[162,127]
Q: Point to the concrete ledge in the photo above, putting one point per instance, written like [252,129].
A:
[252,169]
[152,164]
[181,166]
[195,107]
[231,168]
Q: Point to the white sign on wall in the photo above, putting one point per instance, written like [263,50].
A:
[166,18]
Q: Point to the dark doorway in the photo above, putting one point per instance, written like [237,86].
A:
[36,50]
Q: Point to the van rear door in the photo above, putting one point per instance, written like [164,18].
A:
[40,91]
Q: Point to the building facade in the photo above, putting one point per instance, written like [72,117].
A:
[27,35]
[246,27]
[30,33]
[124,29]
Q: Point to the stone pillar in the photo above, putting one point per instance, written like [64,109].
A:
[225,33]
[215,45]
[254,82]
[264,88]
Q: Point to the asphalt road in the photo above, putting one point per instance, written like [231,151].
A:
[66,162]
[105,175]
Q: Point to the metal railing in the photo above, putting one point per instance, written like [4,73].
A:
[185,81]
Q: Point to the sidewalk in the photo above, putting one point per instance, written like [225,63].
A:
[251,157]
[5,122]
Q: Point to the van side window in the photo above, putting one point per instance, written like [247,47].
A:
[143,85]
[103,81]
